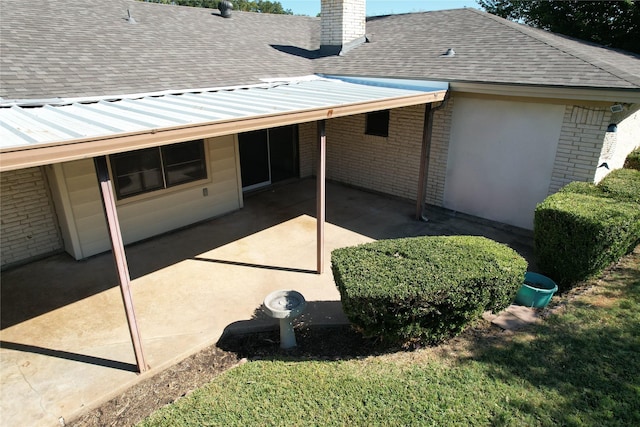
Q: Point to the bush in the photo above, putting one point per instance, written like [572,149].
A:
[577,235]
[424,289]
[633,160]
[579,187]
[622,184]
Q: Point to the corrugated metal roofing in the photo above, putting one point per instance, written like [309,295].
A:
[24,126]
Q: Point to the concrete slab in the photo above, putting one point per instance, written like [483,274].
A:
[64,341]
[528,314]
[515,317]
[509,322]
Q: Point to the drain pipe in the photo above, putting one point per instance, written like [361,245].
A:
[427,128]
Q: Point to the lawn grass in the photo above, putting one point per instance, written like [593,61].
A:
[581,367]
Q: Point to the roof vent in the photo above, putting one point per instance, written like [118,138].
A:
[130,18]
[225,7]
[449,53]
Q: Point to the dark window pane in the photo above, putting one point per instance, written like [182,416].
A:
[378,123]
[184,162]
[137,172]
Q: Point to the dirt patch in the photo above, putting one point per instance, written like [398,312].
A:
[314,343]
[166,387]
[138,402]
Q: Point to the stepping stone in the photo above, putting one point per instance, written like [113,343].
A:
[509,322]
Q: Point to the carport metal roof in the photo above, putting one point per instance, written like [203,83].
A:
[34,133]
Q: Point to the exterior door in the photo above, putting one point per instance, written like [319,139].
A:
[268,156]
[255,167]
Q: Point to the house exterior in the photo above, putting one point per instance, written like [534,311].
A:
[508,116]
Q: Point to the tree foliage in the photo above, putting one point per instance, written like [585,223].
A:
[610,23]
[260,6]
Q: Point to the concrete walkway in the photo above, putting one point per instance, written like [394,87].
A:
[65,346]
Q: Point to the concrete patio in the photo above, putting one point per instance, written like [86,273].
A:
[65,345]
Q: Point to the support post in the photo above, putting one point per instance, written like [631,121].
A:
[321,192]
[424,161]
[120,258]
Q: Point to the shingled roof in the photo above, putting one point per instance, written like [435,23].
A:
[488,49]
[64,48]
[70,48]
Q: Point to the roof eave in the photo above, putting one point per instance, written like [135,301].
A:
[566,93]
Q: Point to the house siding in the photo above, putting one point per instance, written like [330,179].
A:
[78,197]
[580,145]
[28,227]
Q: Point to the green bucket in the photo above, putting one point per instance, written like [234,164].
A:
[536,291]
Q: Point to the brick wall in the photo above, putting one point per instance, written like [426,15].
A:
[342,21]
[307,136]
[388,165]
[28,226]
[580,145]
[439,155]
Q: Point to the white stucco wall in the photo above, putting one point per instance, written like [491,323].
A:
[618,145]
[501,156]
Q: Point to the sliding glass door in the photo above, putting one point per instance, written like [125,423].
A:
[268,156]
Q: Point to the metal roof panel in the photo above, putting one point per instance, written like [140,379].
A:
[29,126]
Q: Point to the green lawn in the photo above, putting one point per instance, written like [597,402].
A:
[579,368]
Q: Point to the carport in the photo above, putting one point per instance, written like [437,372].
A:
[37,133]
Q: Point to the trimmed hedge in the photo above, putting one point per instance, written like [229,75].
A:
[578,235]
[580,187]
[424,289]
[622,184]
[633,160]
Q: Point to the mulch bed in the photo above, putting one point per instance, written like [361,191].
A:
[138,402]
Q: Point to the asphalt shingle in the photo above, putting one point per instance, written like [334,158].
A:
[65,48]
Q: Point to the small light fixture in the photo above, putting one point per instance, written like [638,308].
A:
[612,128]
[449,53]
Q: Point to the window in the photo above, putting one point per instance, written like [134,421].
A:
[377,123]
[151,169]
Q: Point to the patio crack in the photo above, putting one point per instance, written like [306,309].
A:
[40,402]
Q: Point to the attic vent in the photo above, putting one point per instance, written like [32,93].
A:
[449,53]
[225,7]
[130,18]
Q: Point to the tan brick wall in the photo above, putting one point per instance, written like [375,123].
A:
[439,155]
[388,165]
[28,227]
[580,145]
[342,21]
[307,136]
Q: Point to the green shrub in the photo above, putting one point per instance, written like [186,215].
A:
[633,160]
[580,187]
[622,184]
[425,289]
[576,235]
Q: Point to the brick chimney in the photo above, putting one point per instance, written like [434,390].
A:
[343,25]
